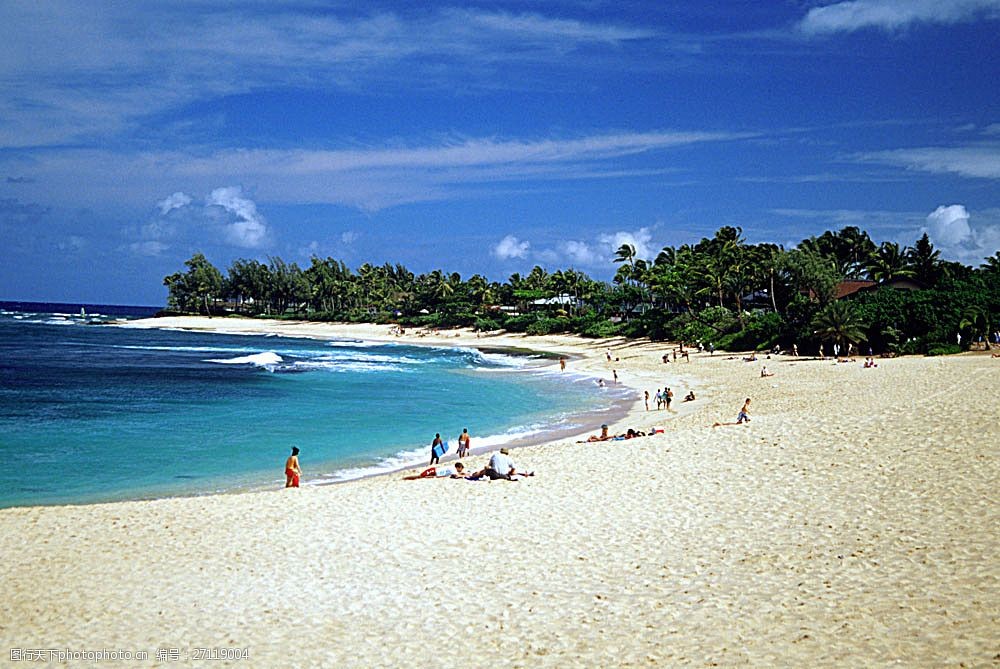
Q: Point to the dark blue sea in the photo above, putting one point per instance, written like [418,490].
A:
[91,411]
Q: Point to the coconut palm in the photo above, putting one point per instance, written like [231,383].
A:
[839,322]
[888,263]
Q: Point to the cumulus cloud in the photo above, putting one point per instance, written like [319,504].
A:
[248,230]
[949,225]
[511,247]
[579,253]
[640,239]
[962,237]
[893,14]
[175,201]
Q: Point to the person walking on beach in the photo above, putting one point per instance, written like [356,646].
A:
[293,473]
[647,400]
[463,443]
[435,455]
[562,364]
[668,397]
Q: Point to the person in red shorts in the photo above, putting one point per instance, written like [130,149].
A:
[292,470]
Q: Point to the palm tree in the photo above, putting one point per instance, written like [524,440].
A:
[992,264]
[625,253]
[840,323]
[976,320]
[888,263]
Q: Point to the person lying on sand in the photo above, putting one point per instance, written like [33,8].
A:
[689,397]
[604,436]
[456,472]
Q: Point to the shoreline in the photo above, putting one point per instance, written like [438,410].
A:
[852,522]
[548,348]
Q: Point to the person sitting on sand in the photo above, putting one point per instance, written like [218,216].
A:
[292,470]
[689,397]
[764,372]
[500,466]
[603,437]
[456,472]
[750,358]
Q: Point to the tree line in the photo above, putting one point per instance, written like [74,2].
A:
[722,290]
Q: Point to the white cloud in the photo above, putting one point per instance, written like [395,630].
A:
[175,201]
[580,253]
[980,161]
[949,225]
[201,51]
[148,248]
[349,237]
[640,239]
[369,179]
[962,236]
[893,14]
[249,230]
[511,247]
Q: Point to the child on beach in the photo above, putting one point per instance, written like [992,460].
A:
[292,470]
[743,417]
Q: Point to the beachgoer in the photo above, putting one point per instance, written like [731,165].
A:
[600,383]
[764,372]
[608,354]
[744,415]
[689,397]
[647,400]
[666,358]
[603,436]
[456,472]
[562,364]
[795,349]
[501,466]
[711,348]
[615,373]
[668,397]
[435,457]
[293,472]
[463,443]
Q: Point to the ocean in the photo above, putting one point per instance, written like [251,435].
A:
[91,412]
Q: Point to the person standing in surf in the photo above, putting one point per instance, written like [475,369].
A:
[435,456]
[463,443]
[292,470]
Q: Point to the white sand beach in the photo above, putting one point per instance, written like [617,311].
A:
[853,522]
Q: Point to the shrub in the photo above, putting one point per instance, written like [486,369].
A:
[943,349]
[485,324]
[544,326]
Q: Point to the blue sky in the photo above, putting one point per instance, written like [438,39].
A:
[481,137]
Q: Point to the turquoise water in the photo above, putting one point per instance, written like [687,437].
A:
[98,412]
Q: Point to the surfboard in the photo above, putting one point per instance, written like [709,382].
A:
[440,449]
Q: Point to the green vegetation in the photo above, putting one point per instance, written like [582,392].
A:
[722,290]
